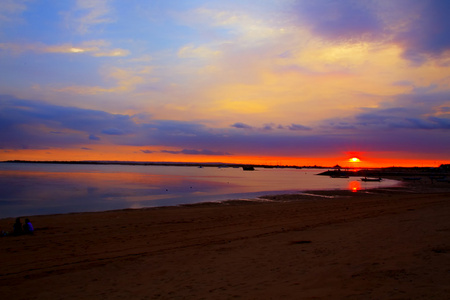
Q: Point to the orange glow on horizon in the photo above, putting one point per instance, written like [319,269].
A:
[154,154]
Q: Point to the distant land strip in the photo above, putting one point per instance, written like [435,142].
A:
[439,172]
[181,164]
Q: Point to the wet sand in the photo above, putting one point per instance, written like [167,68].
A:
[382,244]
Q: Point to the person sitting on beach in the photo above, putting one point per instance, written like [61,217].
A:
[17,227]
[28,227]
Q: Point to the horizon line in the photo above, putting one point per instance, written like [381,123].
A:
[212,164]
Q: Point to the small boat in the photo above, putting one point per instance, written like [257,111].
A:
[248,168]
[370,179]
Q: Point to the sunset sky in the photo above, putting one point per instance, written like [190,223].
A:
[271,81]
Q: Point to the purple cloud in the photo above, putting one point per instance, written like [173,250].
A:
[339,20]
[268,127]
[413,115]
[37,112]
[420,27]
[428,32]
[240,125]
[38,125]
[196,152]
[147,151]
[94,138]
[296,127]
[342,125]
[113,131]
[373,129]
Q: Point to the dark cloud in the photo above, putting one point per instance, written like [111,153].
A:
[394,118]
[171,151]
[31,112]
[37,124]
[342,125]
[113,131]
[339,20]
[196,152]
[241,126]
[173,128]
[414,111]
[420,27]
[146,151]
[406,123]
[295,127]
[440,123]
[271,126]
[25,125]
[268,127]
[94,137]
[427,33]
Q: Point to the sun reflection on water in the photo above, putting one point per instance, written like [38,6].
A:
[354,186]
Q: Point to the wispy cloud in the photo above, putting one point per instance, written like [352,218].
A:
[190,51]
[248,25]
[126,80]
[10,10]
[97,48]
[88,14]
[196,152]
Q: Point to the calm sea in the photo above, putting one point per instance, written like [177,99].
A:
[35,189]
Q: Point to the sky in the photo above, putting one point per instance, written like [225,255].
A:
[293,82]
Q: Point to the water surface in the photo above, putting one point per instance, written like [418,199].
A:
[32,189]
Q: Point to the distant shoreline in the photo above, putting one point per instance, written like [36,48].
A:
[385,172]
[182,164]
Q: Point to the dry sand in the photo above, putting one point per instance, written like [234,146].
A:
[383,244]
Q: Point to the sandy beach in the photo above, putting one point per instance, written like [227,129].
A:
[381,244]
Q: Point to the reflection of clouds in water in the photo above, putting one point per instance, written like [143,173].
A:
[75,188]
[37,192]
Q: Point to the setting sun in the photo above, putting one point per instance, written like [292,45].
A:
[354,160]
